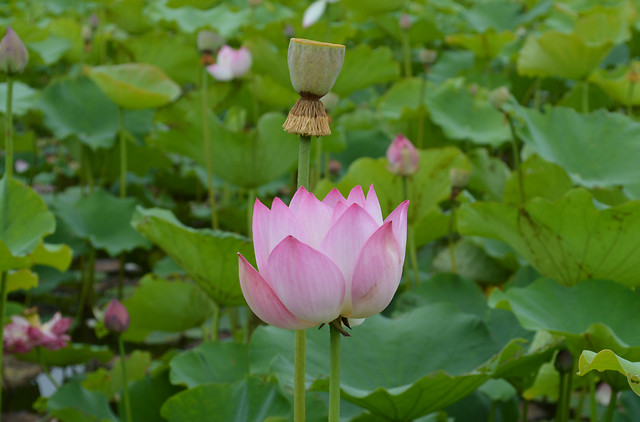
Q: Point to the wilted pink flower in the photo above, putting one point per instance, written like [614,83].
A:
[13,53]
[320,260]
[24,333]
[402,156]
[116,317]
[230,63]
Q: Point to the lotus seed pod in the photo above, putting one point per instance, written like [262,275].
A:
[208,41]
[13,53]
[564,361]
[459,177]
[86,33]
[427,56]
[314,66]
[499,96]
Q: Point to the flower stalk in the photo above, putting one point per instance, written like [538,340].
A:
[3,301]
[8,127]
[125,381]
[207,151]
[334,378]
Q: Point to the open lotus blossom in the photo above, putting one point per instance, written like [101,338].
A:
[402,156]
[321,260]
[24,333]
[230,63]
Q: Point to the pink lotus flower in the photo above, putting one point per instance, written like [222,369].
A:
[230,63]
[320,260]
[402,156]
[116,317]
[13,54]
[24,333]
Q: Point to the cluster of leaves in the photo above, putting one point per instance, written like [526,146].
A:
[543,247]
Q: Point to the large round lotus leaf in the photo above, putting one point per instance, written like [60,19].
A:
[465,117]
[605,24]
[210,362]
[208,257]
[168,306]
[71,402]
[497,15]
[104,220]
[486,45]
[607,360]
[593,315]
[77,107]
[135,85]
[24,221]
[617,83]
[540,179]
[568,239]
[109,382]
[224,19]
[73,354]
[244,159]
[599,150]
[403,97]
[426,188]
[24,98]
[405,376]
[560,54]
[363,67]
[249,400]
[55,256]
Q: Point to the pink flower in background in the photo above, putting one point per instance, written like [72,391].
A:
[402,156]
[230,63]
[24,333]
[320,260]
[21,166]
[116,317]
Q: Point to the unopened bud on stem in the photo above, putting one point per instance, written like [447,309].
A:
[13,53]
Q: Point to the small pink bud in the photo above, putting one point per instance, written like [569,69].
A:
[335,167]
[94,21]
[116,317]
[402,156]
[405,22]
[13,53]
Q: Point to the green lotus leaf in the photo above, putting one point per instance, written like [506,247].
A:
[593,315]
[426,188]
[210,362]
[77,107]
[618,85]
[24,98]
[403,97]
[581,151]
[167,306]
[606,24]
[22,279]
[486,45]
[568,239]
[135,86]
[222,18]
[363,67]
[463,117]
[248,400]
[244,159]
[73,354]
[607,360]
[540,178]
[559,54]
[489,175]
[437,367]
[71,402]
[85,216]
[51,49]
[24,221]
[208,257]
[369,7]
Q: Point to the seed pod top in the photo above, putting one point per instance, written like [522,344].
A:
[314,66]
[13,53]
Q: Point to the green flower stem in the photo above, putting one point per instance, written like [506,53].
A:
[525,411]
[317,170]
[632,87]
[516,156]
[251,198]
[87,284]
[125,381]
[406,53]
[585,97]
[215,324]
[492,412]
[578,414]
[423,84]
[121,263]
[592,397]
[8,130]
[298,377]
[452,246]
[561,398]
[3,302]
[334,378]
[207,150]
[613,401]
[123,154]
[34,160]
[304,152]
[45,368]
[568,390]
[411,244]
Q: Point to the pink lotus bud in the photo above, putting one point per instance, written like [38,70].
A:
[116,317]
[230,63]
[402,156]
[13,53]
[405,22]
[21,166]
[335,167]
[323,260]
[93,21]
